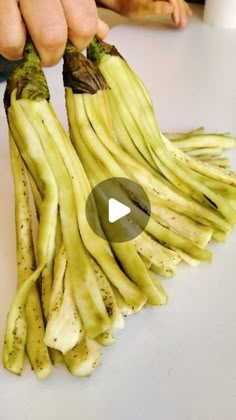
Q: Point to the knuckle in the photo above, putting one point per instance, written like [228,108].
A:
[53,37]
[88,28]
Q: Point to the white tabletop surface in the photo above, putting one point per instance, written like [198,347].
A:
[172,363]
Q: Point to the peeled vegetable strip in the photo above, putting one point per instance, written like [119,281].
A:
[200,235]
[106,339]
[55,355]
[46,277]
[184,135]
[108,297]
[59,270]
[47,273]
[126,310]
[29,147]
[210,151]
[221,141]
[83,358]
[124,138]
[35,347]
[164,259]
[221,162]
[215,173]
[64,328]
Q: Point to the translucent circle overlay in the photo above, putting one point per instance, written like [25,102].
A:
[130,194]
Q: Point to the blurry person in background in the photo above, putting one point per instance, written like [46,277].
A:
[179,10]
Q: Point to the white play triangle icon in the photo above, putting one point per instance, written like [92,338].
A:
[116,210]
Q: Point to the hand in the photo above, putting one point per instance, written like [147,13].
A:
[49,23]
[178,9]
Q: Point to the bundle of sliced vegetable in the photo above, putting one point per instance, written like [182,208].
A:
[75,270]
[138,134]
[73,286]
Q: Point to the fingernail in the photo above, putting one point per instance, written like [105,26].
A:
[103,29]
[49,60]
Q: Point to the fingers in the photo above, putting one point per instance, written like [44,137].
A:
[188,10]
[49,23]
[83,22]
[12,30]
[103,29]
[179,9]
[139,8]
[176,11]
[181,12]
[46,23]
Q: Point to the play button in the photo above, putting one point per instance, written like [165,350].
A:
[118,209]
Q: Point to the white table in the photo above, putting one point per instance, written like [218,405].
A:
[172,363]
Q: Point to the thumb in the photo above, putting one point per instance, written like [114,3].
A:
[103,29]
